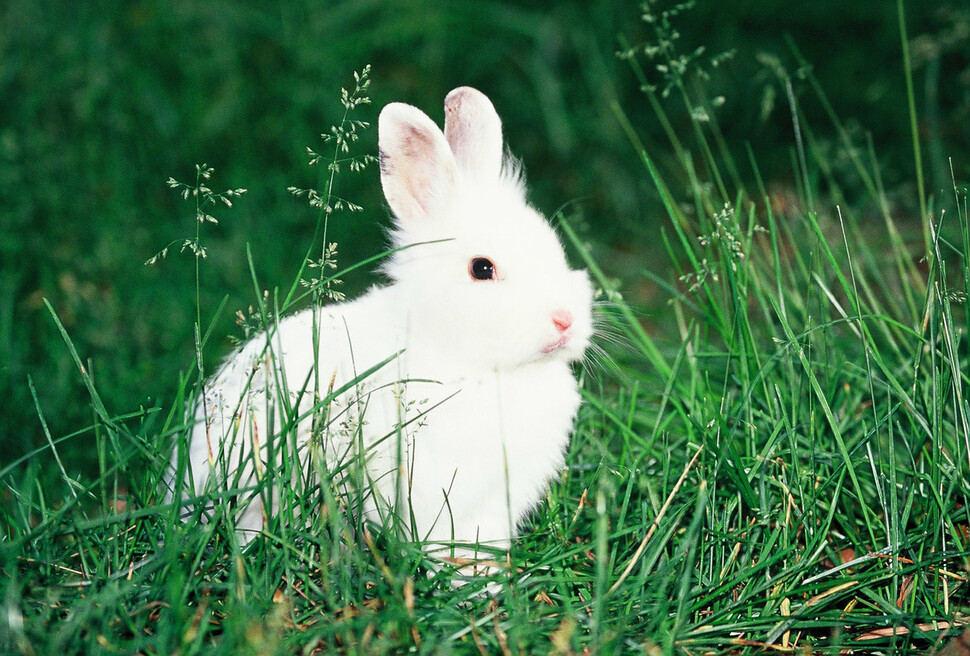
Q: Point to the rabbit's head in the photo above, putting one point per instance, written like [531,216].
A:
[483,273]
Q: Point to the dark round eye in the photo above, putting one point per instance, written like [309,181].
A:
[481,268]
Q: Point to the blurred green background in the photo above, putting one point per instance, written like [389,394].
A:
[102,101]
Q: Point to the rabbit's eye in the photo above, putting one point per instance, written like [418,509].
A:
[481,268]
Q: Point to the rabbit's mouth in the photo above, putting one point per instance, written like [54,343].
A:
[561,342]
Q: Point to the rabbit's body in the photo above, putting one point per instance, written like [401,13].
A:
[458,433]
[477,443]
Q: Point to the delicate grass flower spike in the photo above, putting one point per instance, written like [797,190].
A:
[205,198]
[342,137]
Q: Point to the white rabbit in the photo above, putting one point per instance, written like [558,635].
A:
[458,435]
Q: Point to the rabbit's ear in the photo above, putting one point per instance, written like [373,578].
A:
[474,132]
[417,167]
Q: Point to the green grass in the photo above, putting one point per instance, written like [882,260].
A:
[776,458]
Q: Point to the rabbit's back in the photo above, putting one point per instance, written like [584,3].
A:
[282,388]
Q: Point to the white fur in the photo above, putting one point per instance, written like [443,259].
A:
[462,431]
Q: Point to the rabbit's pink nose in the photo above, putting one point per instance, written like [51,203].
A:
[562,319]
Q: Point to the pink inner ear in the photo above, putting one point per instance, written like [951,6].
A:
[417,167]
[418,148]
[415,142]
[474,132]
